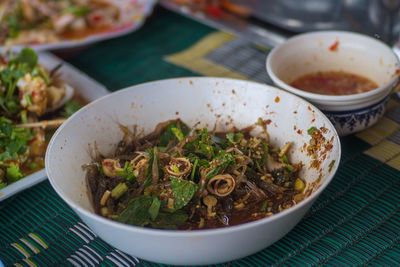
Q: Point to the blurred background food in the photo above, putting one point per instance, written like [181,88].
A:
[48,21]
[286,17]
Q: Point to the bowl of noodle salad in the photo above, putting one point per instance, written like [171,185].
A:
[193,170]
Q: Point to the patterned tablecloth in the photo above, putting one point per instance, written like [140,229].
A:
[356,221]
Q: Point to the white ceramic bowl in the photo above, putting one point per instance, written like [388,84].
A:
[355,53]
[211,101]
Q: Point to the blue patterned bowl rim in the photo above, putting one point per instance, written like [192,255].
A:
[375,105]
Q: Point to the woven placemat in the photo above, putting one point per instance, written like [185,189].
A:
[355,221]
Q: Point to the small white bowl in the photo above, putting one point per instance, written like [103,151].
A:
[213,102]
[356,53]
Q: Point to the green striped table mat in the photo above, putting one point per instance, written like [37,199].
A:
[355,222]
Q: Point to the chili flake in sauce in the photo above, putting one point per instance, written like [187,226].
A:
[334,83]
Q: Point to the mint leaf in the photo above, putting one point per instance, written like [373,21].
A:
[169,220]
[173,132]
[222,161]
[145,210]
[137,211]
[183,191]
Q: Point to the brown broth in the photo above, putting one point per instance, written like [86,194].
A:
[334,83]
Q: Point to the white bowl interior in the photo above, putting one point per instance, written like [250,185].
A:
[211,101]
[355,53]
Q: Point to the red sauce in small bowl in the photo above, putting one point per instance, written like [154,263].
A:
[334,83]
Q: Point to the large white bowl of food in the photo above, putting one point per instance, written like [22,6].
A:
[193,170]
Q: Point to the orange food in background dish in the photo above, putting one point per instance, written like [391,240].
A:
[334,83]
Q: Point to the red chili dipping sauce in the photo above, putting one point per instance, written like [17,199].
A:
[334,83]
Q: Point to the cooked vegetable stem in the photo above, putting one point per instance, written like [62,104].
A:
[119,190]
[47,124]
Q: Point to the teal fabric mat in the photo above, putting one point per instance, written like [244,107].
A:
[355,222]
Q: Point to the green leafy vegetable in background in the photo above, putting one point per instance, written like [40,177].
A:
[26,89]
[14,173]
[13,140]
[78,11]
[25,62]
[27,56]
[70,108]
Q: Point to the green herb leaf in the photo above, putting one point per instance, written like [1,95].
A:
[234,138]
[17,67]
[13,173]
[127,172]
[311,130]
[289,167]
[220,163]
[183,192]
[27,56]
[173,132]
[70,108]
[154,208]
[166,220]
[178,133]
[78,11]
[202,145]
[13,140]
[137,211]
[284,159]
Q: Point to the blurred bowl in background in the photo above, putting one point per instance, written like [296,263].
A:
[338,51]
[133,15]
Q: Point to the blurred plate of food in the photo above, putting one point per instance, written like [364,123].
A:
[58,24]
[38,92]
